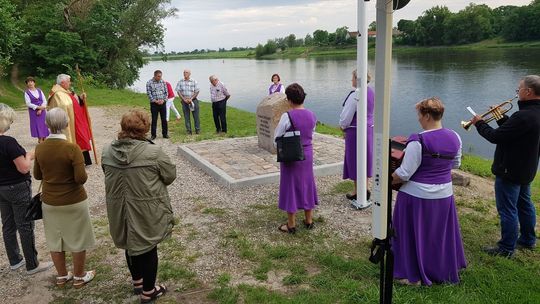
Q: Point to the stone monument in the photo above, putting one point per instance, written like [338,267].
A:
[269,112]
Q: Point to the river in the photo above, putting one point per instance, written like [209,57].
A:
[476,78]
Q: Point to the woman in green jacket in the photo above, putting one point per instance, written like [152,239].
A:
[137,174]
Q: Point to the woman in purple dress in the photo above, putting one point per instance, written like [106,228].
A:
[427,245]
[37,103]
[347,122]
[276,86]
[297,188]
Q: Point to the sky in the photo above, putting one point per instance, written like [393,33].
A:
[214,24]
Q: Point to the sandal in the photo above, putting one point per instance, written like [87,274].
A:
[137,287]
[79,282]
[157,292]
[310,225]
[61,281]
[285,228]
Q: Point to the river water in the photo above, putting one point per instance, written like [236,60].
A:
[476,78]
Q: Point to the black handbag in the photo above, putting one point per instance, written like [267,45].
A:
[289,147]
[33,211]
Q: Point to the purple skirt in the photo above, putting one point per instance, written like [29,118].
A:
[297,188]
[349,162]
[38,127]
[427,245]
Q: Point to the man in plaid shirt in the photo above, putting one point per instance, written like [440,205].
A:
[188,90]
[156,89]
[219,96]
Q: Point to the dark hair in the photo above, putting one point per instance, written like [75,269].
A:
[157,72]
[28,79]
[295,93]
[278,78]
[135,124]
[432,106]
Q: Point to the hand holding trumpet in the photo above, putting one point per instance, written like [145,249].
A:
[495,113]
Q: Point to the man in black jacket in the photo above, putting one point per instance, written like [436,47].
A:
[515,165]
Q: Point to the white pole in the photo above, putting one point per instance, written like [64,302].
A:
[383,77]
[361,105]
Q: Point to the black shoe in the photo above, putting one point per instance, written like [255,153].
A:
[189,133]
[368,195]
[153,137]
[497,251]
[165,136]
[350,196]
[310,225]
[525,247]
[197,131]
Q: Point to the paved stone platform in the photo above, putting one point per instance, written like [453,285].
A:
[238,162]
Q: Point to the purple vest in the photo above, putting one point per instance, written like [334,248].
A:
[278,88]
[37,101]
[303,121]
[439,148]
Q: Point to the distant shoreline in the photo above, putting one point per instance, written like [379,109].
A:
[346,52]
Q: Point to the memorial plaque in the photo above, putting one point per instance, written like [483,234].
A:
[269,112]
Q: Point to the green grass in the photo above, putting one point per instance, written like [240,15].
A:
[476,165]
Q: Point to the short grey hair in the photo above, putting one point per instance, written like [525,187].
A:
[62,77]
[7,115]
[212,77]
[368,78]
[57,120]
[532,82]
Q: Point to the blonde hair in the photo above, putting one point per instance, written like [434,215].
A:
[7,115]
[432,106]
[368,77]
[57,120]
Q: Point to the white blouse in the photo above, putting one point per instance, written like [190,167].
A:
[283,125]
[35,93]
[348,111]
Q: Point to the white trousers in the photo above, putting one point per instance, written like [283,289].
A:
[170,105]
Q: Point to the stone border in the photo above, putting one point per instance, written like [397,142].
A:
[223,178]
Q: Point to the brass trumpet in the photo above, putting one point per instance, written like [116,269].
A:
[494,113]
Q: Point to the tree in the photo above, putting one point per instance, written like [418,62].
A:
[472,24]
[259,50]
[408,32]
[107,37]
[342,33]
[308,40]
[431,27]
[270,47]
[320,37]
[290,40]
[372,26]
[11,34]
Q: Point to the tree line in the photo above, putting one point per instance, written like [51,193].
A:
[105,38]
[439,26]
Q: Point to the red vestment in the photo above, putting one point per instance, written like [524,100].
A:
[82,131]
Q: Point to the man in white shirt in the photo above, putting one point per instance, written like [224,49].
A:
[219,96]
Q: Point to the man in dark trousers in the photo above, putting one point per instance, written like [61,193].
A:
[515,165]
[156,89]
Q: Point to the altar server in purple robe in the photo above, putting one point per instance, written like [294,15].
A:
[37,105]
[297,190]
[427,244]
[276,86]
[347,122]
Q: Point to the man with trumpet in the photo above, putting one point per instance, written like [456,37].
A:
[515,165]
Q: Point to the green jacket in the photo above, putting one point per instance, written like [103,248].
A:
[137,174]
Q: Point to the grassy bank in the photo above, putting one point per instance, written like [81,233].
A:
[347,52]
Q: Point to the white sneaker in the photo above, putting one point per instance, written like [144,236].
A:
[359,206]
[18,265]
[41,267]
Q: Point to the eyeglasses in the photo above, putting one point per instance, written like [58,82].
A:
[519,89]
